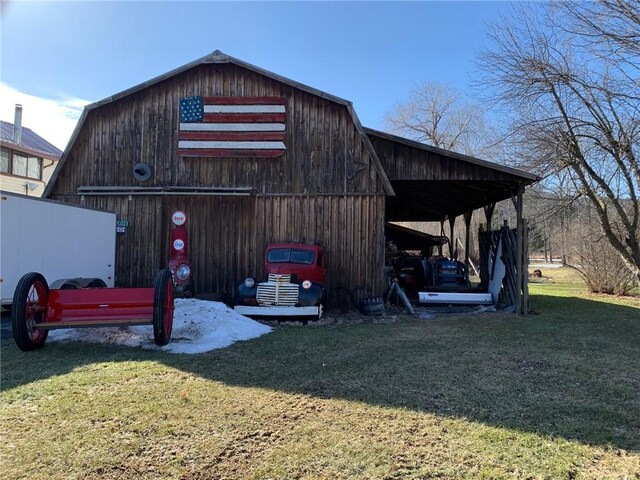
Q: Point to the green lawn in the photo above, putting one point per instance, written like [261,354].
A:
[552,395]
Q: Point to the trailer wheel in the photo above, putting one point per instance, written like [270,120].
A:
[29,307]
[163,307]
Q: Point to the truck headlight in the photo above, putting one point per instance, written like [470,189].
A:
[306,284]
[249,282]
[183,272]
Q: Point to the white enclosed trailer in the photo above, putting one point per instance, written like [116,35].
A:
[57,239]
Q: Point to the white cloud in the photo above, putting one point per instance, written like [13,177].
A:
[52,119]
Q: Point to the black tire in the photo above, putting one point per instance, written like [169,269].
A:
[163,307]
[29,307]
[372,306]
[96,283]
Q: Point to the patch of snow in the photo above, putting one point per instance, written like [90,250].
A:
[198,326]
[545,265]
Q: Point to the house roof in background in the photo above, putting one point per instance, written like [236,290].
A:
[30,141]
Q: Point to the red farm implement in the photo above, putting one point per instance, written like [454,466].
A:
[36,308]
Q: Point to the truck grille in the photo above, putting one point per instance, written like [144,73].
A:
[278,291]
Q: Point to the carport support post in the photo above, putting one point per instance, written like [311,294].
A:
[467,224]
[519,233]
[488,212]
[452,222]
[525,267]
[441,234]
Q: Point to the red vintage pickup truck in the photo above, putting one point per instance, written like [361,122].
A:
[294,286]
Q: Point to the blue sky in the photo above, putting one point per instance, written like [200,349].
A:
[372,53]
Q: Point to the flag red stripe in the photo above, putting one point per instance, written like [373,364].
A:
[244,100]
[275,118]
[231,136]
[244,117]
[230,153]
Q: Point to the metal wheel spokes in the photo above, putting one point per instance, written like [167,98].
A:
[35,308]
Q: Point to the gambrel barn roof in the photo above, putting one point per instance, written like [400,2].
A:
[218,57]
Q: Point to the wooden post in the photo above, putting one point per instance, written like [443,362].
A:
[452,221]
[441,234]
[525,267]
[467,224]
[488,213]
[483,256]
[519,234]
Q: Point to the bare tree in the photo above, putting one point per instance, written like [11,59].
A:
[438,115]
[610,27]
[593,257]
[573,114]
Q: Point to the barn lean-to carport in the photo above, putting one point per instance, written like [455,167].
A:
[436,185]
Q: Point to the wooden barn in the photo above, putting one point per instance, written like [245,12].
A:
[266,160]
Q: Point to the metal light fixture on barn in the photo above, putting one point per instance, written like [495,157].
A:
[141,172]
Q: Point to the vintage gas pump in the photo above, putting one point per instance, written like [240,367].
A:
[179,262]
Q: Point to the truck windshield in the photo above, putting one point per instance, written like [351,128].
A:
[290,255]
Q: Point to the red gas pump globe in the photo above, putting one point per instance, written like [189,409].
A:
[179,262]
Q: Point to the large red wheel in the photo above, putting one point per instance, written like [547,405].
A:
[163,307]
[28,309]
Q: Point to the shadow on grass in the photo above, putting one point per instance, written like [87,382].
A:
[572,371]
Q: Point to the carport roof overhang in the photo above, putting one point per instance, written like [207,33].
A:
[436,200]
[432,184]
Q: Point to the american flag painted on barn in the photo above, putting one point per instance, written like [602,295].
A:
[232,127]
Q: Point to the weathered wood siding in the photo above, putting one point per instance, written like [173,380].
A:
[404,162]
[323,190]
[228,236]
[350,227]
